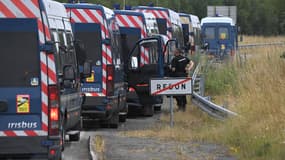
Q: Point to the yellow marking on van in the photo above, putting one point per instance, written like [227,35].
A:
[23,103]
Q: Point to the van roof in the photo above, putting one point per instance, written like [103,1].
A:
[129,12]
[55,9]
[149,15]
[84,6]
[217,20]
[174,16]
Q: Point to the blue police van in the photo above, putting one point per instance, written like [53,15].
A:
[40,98]
[219,36]
[105,90]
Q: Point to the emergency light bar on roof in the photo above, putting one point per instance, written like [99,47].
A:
[217,20]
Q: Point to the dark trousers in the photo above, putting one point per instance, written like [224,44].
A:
[181,102]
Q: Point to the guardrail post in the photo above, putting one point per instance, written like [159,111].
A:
[171,111]
[202,85]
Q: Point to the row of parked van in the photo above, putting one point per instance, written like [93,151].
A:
[62,65]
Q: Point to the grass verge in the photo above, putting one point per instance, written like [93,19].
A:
[256,91]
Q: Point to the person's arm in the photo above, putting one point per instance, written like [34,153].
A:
[189,66]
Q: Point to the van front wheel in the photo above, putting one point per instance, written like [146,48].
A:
[75,136]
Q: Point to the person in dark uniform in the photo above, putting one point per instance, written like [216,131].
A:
[180,67]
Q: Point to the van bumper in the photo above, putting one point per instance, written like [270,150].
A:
[101,108]
[24,147]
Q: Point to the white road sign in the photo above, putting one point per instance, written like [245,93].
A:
[170,86]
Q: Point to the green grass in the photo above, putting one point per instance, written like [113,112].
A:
[220,79]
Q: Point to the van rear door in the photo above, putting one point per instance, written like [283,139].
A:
[20,90]
[209,36]
[90,35]
[224,37]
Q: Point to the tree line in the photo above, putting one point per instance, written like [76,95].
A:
[254,17]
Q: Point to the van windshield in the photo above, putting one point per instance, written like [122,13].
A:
[19,62]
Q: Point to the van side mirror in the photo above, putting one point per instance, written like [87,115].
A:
[86,70]
[205,45]
[238,29]
[68,72]
[48,47]
[170,29]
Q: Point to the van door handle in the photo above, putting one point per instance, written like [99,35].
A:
[3,106]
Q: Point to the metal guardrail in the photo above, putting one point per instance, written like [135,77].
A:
[261,45]
[203,102]
[206,105]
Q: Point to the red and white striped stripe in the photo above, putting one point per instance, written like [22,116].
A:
[95,16]
[31,9]
[163,14]
[135,22]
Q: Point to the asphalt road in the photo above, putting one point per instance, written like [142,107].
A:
[79,150]
[118,147]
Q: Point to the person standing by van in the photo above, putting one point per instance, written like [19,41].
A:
[180,67]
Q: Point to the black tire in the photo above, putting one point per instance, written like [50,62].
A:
[77,128]
[157,108]
[74,137]
[148,110]
[123,118]
[59,157]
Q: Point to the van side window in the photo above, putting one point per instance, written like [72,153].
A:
[169,52]
[69,39]
[153,55]
[115,42]
[67,53]
[55,38]
[71,56]
[65,50]
[177,34]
